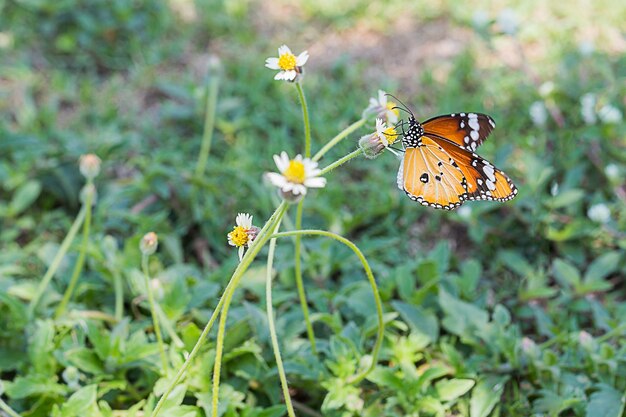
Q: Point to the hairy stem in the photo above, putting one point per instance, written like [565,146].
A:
[340,136]
[299,283]
[58,258]
[342,161]
[81,255]
[209,123]
[370,276]
[153,311]
[305,118]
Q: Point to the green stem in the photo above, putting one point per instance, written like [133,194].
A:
[58,258]
[169,329]
[243,265]
[5,407]
[370,276]
[305,118]
[342,161]
[81,255]
[259,242]
[209,123]
[340,136]
[155,317]
[299,283]
[119,295]
[272,326]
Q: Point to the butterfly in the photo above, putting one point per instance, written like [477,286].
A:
[439,167]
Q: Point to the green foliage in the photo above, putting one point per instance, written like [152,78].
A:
[495,309]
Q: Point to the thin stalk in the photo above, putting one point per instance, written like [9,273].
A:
[257,245]
[209,123]
[342,161]
[370,276]
[80,262]
[169,329]
[305,118]
[71,234]
[272,326]
[155,317]
[299,283]
[340,136]
[5,407]
[259,242]
[119,294]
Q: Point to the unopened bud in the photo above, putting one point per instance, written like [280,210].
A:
[89,166]
[371,145]
[89,190]
[149,243]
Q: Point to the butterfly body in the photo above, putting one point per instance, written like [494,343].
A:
[440,169]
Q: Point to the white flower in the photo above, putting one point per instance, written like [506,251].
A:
[243,233]
[465,212]
[374,143]
[508,22]
[599,213]
[587,108]
[612,171]
[610,114]
[287,63]
[546,89]
[538,113]
[296,175]
[383,108]
[586,48]
[480,19]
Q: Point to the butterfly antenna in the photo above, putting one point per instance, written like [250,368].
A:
[406,108]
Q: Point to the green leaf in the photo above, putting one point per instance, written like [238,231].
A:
[25,195]
[607,402]
[516,262]
[462,318]
[566,198]
[603,266]
[451,389]
[566,273]
[420,320]
[85,359]
[80,401]
[23,387]
[486,395]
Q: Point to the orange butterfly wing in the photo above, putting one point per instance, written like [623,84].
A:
[484,181]
[467,130]
[429,176]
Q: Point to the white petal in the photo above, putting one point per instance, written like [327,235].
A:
[392,118]
[298,158]
[280,162]
[302,58]
[272,63]
[299,189]
[284,49]
[230,242]
[290,75]
[288,186]
[317,182]
[280,76]
[276,179]
[284,160]
[382,98]
[240,253]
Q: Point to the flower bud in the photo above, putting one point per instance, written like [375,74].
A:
[149,243]
[371,145]
[89,166]
[89,190]
[289,196]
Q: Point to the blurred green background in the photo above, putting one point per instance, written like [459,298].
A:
[511,309]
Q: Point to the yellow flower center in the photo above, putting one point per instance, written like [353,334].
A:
[390,107]
[295,172]
[239,236]
[287,61]
[391,135]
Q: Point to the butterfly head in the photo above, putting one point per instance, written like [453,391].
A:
[412,137]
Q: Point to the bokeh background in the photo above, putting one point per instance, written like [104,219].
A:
[526,299]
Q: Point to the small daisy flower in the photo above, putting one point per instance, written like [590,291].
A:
[587,108]
[375,143]
[538,113]
[243,233]
[610,114]
[599,213]
[289,65]
[383,108]
[296,175]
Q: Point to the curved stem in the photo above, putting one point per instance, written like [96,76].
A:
[272,326]
[5,407]
[81,256]
[299,283]
[155,316]
[209,123]
[342,161]
[71,234]
[340,136]
[259,242]
[370,276]
[305,118]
